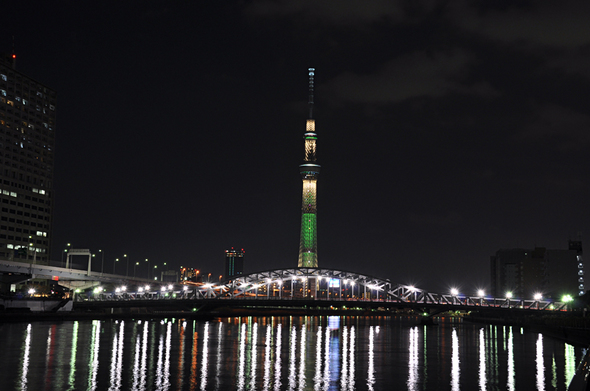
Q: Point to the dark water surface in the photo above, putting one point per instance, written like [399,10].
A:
[280,353]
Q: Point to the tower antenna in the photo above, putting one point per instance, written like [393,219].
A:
[311,72]
[13,55]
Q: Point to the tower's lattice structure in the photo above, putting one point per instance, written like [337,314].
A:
[310,170]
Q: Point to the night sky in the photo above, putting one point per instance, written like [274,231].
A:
[447,130]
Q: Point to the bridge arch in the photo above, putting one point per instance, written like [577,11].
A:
[315,283]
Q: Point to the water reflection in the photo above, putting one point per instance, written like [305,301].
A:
[482,360]
[93,356]
[455,367]
[320,353]
[509,345]
[205,357]
[540,365]
[278,358]
[413,378]
[25,358]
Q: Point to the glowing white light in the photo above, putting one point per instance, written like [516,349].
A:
[481,293]
[163,289]
[538,296]
[508,295]
[147,288]
[140,289]
[454,291]
[185,288]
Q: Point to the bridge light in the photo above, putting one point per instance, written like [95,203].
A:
[140,289]
[454,291]
[538,296]
[170,287]
[185,288]
[163,289]
[118,290]
[280,282]
[412,288]
[147,288]
[509,295]
[481,293]
[123,288]
[31,291]
[567,298]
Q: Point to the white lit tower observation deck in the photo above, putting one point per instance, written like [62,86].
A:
[310,170]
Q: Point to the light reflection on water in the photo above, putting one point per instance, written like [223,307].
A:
[281,353]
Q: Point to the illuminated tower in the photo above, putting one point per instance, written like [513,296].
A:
[308,242]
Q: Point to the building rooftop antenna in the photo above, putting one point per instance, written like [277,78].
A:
[311,72]
[13,55]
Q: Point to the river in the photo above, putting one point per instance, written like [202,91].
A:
[281,353]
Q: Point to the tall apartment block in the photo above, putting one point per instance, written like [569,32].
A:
[525,272]
[27,138]
[234,263]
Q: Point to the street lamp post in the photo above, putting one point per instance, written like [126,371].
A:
[125,256]
[102,262]
[115,264]
[148,268]
[136,264]
[155,277]
[63,255]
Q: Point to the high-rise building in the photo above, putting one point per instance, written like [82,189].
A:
[234,263]
[309,170]
[27,138]
[525,272]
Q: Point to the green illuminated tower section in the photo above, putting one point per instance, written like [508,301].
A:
[310,170]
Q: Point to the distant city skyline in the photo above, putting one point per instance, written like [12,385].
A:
[449,130]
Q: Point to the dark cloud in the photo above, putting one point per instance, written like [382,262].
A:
[345,12]
[419,74]
[545,23]
[561,127]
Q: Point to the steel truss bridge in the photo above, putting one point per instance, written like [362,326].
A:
[298,287]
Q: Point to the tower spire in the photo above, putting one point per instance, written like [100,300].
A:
[309,170]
